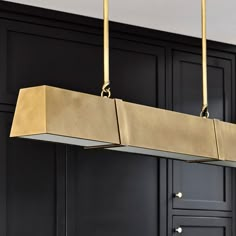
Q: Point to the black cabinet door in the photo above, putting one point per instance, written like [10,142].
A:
[28,199]
[111,193]
[187,84]
[204,226]
[204,187]
[34,55]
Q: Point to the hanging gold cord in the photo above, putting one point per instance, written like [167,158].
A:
[106,91]
[204,112]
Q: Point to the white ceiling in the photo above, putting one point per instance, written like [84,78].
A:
[177,16]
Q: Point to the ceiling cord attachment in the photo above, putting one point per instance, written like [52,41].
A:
[204,113]
[106,90]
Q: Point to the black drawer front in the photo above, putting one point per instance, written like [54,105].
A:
[204,226]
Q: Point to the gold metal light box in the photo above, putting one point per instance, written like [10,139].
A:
[64,116]
[163,133]
[58,115]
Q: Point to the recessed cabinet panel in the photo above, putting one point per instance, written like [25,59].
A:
[187,85]
[204,226]
[27,185]
[111,193]
[34,55]
[202,186]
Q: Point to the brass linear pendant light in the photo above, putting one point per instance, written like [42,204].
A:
[63,116]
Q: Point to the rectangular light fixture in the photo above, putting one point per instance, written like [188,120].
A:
[63,116]
[58,115]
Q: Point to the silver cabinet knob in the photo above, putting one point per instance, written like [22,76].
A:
[179,230]
[179,195]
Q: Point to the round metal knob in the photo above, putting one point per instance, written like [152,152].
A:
[179,230]
[179,195]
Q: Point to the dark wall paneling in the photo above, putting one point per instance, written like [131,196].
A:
[36,55]
[111,194]
[138,72]
[48,189]
[61,187]
[28,191]
[163,197]
[187,84]
[71,55]
[3,175]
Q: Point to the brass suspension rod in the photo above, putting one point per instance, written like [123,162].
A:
[106,89]
[204,112]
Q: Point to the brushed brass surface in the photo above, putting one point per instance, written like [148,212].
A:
[52,114]
[226,140]
[50,110]
[106,91]
[30,113]
[166,131]
[106,40]
[204,112]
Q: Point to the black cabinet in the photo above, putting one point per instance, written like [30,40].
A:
[204,187]
[34,55]
[109,193]
[187,84]
[204,226]
[28,199]
[37,54]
